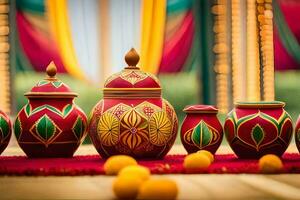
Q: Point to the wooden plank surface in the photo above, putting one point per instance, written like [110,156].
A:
[190,187]
[205,186]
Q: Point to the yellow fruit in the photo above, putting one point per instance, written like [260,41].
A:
[270,164]
[208,154]
[136,170]
[114,164]
[158,189]
[196,161]
[127,187]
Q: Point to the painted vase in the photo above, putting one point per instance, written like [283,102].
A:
[50,124]
[5,131]
[297,134]
[132,118]
[201,129]
[254,129]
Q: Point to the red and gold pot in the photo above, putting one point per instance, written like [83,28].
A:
[201,129]
[50,124]
[297,134]
[254,129]
[5,131]
[132,118]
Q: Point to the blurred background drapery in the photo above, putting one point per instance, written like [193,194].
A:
[193,46]
[75,27]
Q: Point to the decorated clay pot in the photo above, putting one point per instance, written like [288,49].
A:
[5,131]
[254,129]
[50,124]
[201,129]
[132,118]
[297,134]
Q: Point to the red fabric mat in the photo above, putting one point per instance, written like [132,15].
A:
[93,165]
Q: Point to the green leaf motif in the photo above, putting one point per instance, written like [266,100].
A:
[258,134]
[18,128]
[27,109]
[202,135]
[67,109]
[51,108]
[43,82]
[57,84]
[231,116]
[246,118]
[273,121]
[78,128]
[4,127]
[45,128]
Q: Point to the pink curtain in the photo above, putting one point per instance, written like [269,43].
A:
[290,10]
[177,48]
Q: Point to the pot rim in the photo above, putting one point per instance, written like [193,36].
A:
[260,104]
[131,93]
[50,95]
[131,89]
[199,108]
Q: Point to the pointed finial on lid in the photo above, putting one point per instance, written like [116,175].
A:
[132,58]
[51,70]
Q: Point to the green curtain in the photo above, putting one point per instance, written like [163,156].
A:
[204,28]
[175,6]
[31,6]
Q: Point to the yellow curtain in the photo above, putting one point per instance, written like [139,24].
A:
[152,36]
[58,18]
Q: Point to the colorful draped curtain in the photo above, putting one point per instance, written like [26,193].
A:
[69,32]
[88,39]
[35,48]
[287,34]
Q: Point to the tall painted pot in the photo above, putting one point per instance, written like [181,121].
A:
[254,129]
[5,131]
[201,129]
[297,134]
[50,124]
[133,118]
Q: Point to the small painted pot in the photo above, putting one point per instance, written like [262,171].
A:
[297,134]
[5,131]
[254,129]
[201,129]
[50,124]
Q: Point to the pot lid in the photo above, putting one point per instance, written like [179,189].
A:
[131,77]
[51,86]
[200,109]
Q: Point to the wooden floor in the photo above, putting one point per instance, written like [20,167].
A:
[210,186]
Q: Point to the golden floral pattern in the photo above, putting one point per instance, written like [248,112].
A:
[133,76]
[108,129]
[138,128]
[119,111]
[134,129]
[160,129]
[147,109]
